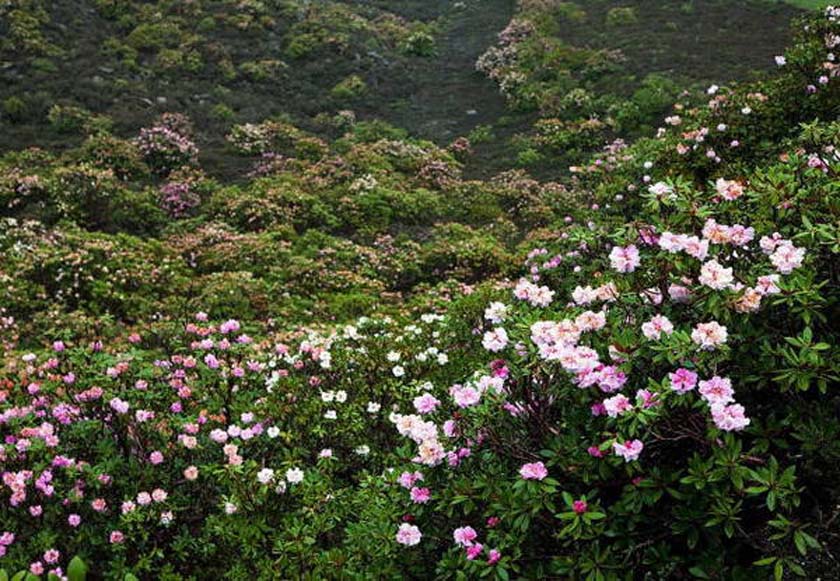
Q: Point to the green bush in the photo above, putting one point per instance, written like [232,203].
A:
[351,88]
[621,16]
[14,109]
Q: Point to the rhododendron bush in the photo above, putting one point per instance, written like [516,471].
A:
[649,390]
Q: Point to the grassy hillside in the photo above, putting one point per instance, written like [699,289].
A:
[408,63]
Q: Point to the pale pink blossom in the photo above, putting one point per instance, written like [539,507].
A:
[729,190]
[716,276]
[787,257]
[766,285]
[625,259]
[617,405]
[533,471]
[495,340]
[710,335]
[408,535]
[465,396]
[426,403]
[629,450]
[658,325]
[729,417]
[464,536]
[717,390]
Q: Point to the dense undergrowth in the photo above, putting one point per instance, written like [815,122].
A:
[345,356]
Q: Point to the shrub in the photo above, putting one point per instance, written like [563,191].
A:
[621,16]
[350,88]
[420,44]
[166,147]
[14,109]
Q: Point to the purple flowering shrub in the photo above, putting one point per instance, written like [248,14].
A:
[178,199]
[167,145]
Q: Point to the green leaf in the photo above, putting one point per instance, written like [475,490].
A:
[810,540]
[699,573]
[77,569]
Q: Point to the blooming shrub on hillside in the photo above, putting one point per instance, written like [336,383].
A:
[167,146]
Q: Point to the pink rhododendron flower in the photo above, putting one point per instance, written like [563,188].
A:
[408,535]
[769,243]
[729,190]
[696,248]
[538,296]
[495,340]
[590,321]
[741,235]
[465,396]
[729,417]
[671,242]
[716,233]
[533,471]
[683,380]
[625,259]
[749,302]
[647,398]
[715,276]
[617,405]
[766,285]
[629,450]
[658,325]
[426,403]
[709,335]
[787,257]
[420,495]
[717,390]
[464,536]
[679,293]
[230,326]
